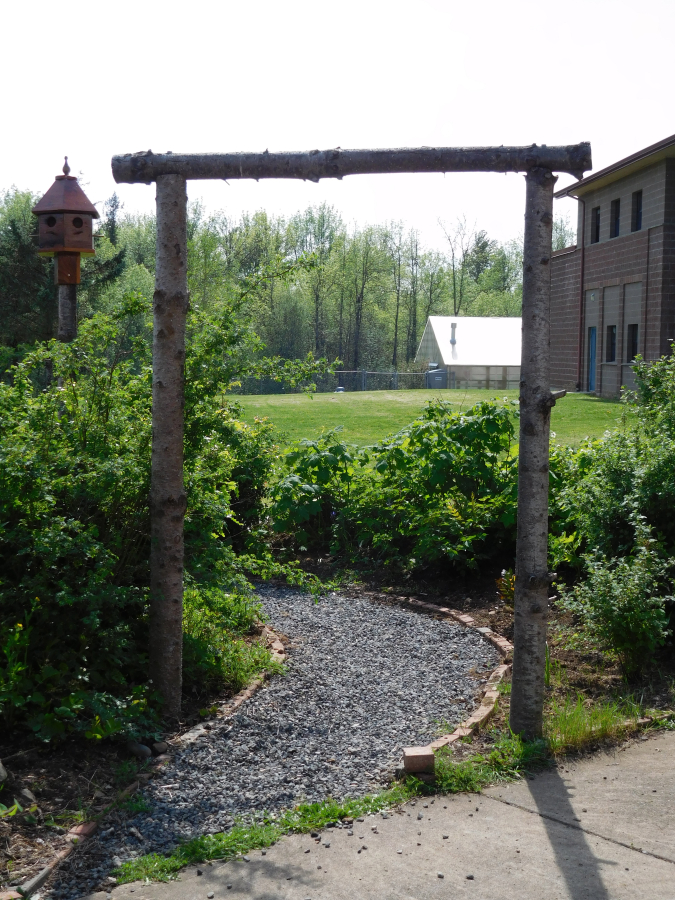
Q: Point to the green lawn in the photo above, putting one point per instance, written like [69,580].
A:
[368,416]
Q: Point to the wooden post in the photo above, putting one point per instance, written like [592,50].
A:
[536,400]
[67,313]
[167,493]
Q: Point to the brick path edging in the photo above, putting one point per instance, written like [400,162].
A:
[232,705]
[417,760]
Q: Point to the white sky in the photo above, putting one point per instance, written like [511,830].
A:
[93,79]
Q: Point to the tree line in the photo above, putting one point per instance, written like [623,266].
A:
[360,294]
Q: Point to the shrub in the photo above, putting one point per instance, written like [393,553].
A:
[622,602]
[74,523]
[443,490]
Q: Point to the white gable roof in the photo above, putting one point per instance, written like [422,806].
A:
[479,341]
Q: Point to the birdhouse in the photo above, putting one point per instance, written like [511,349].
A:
[65,226]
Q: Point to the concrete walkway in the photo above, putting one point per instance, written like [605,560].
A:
[601,829]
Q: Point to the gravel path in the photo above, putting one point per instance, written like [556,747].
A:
[364,680]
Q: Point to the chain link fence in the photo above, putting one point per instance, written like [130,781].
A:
[349,380]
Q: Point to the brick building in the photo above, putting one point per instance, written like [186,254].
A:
[613,293]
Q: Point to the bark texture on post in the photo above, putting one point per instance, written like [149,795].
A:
[145,167]
[536,400]
[67,313]
[167,493]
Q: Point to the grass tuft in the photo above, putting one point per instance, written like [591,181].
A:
[574,724]
[510,758]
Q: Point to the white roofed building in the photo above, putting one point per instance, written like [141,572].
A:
[471,351]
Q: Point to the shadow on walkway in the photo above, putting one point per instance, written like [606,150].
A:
[579,865]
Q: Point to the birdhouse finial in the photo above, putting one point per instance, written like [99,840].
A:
[66,167]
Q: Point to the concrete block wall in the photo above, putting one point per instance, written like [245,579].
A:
[565,275]
[651,181]
[646,257]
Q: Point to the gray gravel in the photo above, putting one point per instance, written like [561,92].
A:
[364,680]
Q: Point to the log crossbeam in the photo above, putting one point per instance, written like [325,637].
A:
[146,167]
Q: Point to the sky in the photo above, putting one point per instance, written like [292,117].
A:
[94,79]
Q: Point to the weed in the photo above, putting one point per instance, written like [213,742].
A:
[510,758]
[135,805]
[575,724]
[125,771]
[442,726]
[506,586]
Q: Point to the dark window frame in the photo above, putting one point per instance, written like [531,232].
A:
[595,225]
[636,211]
[615,218]
[632,341]
[610,346]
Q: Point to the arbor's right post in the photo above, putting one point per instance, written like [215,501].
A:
[167,491]
[532,583]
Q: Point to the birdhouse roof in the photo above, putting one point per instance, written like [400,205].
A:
[65,196]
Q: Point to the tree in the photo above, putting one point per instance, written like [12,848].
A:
[460,240]
[412,293]
[28,310]
[112,209]
[394,244]
[564,234]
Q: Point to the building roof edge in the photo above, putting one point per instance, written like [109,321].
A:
[639,156]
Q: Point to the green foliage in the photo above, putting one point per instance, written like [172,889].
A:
[74,522]
[27,291]
[511,758]
[577,723]
[613,523]
[441,490]
[214,654]
[621,604]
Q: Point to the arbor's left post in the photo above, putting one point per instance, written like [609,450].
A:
[167,492]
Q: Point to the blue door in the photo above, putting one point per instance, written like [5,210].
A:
[592,332]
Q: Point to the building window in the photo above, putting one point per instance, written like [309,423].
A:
[595,225]
[615,218]
[631,343]
[610,355]
[636,212]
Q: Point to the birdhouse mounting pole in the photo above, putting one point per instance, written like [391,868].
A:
[67,313]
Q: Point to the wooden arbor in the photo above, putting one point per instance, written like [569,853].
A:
[171,172]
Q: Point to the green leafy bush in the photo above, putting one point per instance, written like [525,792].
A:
[74,522]
[442,490]
[622,601]
[214,652]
